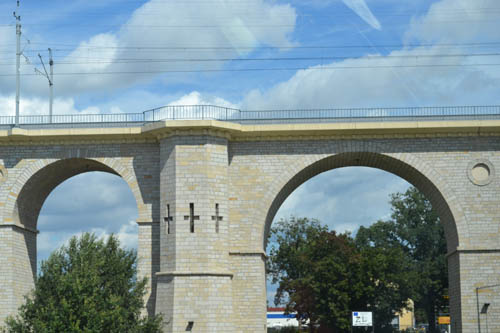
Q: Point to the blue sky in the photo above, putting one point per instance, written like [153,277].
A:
[353,53]
[116,56]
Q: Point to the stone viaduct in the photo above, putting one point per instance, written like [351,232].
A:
[208,190]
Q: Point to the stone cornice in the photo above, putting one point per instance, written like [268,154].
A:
[248,254]
[194,132]
[74,141]
[147,223]
[471,251]
[185,273]
[72,136]
[19,227]
[368,130]
[154,132]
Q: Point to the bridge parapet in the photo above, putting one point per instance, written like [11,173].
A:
[211,112]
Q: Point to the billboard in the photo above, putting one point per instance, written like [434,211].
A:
[362,319]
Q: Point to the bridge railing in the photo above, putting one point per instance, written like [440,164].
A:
[192,112]
[201,112]
[373,114]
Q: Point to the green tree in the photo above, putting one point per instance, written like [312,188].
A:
[90,285]
[324,276]
[386,271]
[289,266]
[415,230]
[422,237]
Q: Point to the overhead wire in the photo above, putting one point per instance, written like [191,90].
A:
[94,60]
[175,60]
[245,47]
[262,69]
[219,26]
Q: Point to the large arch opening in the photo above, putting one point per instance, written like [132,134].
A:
[34,187]
[397,167]
[38,187]
[97,202]
[378,161]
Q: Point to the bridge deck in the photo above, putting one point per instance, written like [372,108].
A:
[209,112]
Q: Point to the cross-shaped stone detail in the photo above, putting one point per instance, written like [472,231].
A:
[168,219]
[217,218]
[191,217]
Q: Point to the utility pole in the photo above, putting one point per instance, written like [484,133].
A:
[51,63]
[485,306]
[18,61]
[50,78]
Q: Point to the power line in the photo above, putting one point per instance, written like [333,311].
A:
[248,13]
[245,47]
[369,57]
[219,26]
[265,69]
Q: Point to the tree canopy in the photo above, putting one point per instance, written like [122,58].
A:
[323,275]
[90,285]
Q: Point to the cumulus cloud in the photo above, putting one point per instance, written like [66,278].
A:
[456,21]
[158,24]
[39,106]
[196,98]
[49,241]
[345,198]
[95,202]
[409,76]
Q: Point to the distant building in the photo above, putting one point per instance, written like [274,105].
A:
[277,318]
[406,318]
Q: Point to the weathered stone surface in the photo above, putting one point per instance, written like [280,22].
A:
[214,277]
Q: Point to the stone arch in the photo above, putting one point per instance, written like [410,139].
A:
[406,166]
[37,181]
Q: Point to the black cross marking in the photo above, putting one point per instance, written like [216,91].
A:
[168,219]
[217,218]
[191,217]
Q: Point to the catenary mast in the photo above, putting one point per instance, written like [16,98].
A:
[18,61]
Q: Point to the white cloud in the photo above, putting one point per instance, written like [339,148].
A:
[196,98]
[344,198]
[457,21]
[402,77]
[40,106]
[49,241]
[159,24]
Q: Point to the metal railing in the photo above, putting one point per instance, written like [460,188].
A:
[201,112]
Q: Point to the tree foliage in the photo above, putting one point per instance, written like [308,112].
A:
[323,276]
[422,237]
[387,273]
[90,285]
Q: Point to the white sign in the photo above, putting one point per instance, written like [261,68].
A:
[362,319]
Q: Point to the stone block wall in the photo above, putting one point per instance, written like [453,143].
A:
[148,260]
[195,278]
[29,172]
[249,292]
[17,250]
[264,172]
[214,277]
